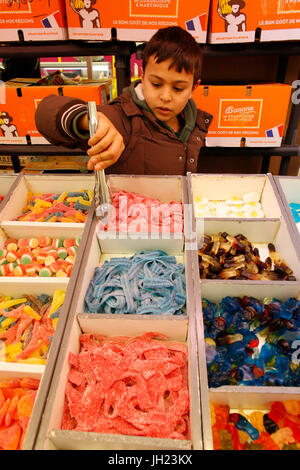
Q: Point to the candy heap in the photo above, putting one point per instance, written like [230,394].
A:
[27,326]
[17,398]
[149,282]
[135,386]
[246,207]
[224,256]
[250,342]
[277,429]
[136,213]
[52,207]
[42,256]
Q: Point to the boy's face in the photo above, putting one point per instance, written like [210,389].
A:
[166,90]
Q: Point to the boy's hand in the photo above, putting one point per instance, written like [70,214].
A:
[106,144]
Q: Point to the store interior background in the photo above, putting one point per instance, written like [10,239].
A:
[229,70]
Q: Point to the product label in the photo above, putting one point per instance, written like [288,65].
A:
[288,6]
[240,113]
[154,8]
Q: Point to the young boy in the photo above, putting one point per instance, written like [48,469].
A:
[153,127]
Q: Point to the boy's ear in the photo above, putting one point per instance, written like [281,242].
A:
[196,85]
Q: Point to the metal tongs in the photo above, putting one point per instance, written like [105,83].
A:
[101,191]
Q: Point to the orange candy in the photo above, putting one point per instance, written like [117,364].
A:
[9,437]
[26,403]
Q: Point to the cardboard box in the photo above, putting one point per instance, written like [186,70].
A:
[34,21]
[17,123]
[135,20]
[245,115]
[238,20]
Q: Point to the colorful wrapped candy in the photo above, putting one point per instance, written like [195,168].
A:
[134,386]
[65,207]
[277,429]
[27,326]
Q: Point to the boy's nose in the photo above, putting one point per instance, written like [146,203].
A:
[165,94]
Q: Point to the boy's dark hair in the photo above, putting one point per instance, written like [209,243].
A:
[175,43]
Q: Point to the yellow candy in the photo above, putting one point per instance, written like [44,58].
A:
[42,203]
[29,196]
[66,219]
[212,414]
[73,199]
[256,419]
[243,437]
[12,351]
[10,303]
[61,198]
[37,210]
[49,260]
[54,323]
[32,360]
[57,301]
[84,202]
[80,217]
[61,273]
[90,194]
[292,407]
[6,323]
[29,311]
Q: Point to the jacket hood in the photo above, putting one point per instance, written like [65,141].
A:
[189,113]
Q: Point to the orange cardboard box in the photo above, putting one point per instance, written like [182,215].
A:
[255,113]
[238,20]
[135,20]
[17,125]
[34,20]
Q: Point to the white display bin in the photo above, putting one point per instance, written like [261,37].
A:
[47,183]
[163,188]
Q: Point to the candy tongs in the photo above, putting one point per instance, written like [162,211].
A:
[101,192]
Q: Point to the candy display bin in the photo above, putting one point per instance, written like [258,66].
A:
[179,327]
[242,396]
[163,188]
[289,190]
[7,183]
[274,228]
[16,287]
[28,372]
[218,187]
[34,184]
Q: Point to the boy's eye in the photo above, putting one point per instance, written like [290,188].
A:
[178,89]
[155,84]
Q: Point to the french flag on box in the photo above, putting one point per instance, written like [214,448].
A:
[52,21]
[197,24]
[275,131]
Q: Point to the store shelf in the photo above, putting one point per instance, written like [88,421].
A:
[285,151]
[122,50]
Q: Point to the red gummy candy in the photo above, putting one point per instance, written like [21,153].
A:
[277,412]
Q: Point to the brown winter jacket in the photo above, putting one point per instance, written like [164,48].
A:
[150,147]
